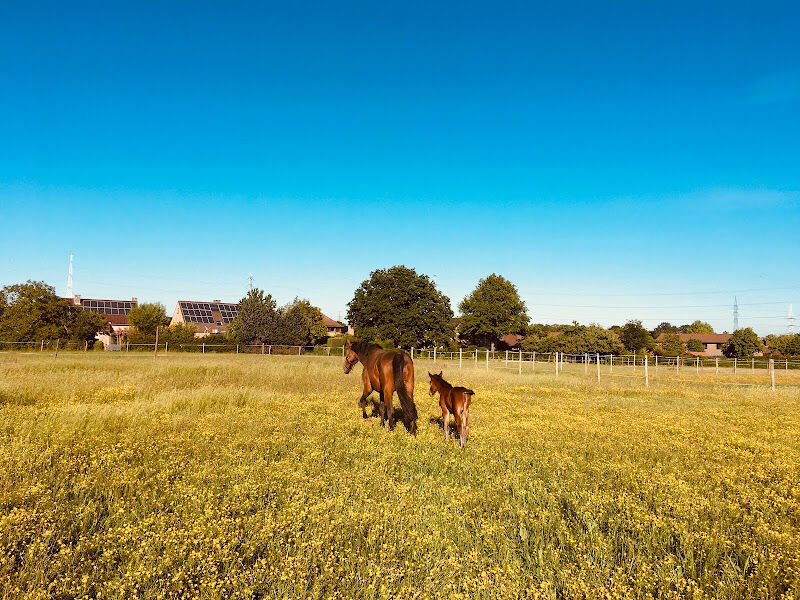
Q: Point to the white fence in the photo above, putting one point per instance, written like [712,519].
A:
[747,371]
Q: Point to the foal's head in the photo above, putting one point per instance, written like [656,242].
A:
[350,358]
[436,382]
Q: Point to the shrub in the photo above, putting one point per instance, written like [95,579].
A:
[695,345]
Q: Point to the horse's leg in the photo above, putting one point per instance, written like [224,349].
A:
[446,423]
[382,409]
[363,401]
[389,408]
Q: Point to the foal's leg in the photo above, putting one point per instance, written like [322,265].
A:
[382,409]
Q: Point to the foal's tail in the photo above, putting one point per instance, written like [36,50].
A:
[406,399]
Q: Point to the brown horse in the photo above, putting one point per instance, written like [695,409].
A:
[385,372]
[453,400]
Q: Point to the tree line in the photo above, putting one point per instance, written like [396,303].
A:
[396,307]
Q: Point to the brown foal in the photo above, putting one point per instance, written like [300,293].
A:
[453,400]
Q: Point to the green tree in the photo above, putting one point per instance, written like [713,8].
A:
[699,327]
[695,345]
[635,337]
[402,306]
[179,333]
[785,345]
[147,317]
[663,327]
[257,320]
[494,308]
[84,325]
[672,345]
[31,311]
[576,339]
[301,324]
[743,343]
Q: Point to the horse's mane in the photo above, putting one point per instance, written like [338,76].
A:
[360,347]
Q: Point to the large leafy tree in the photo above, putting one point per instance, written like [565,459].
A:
[84,325]
[402,306]
[672,345]
[664,327]
[697,327]
[494,308]
[743,343]
[147,317]
[635,337]
[785,345]
[301,323]
[32,311]
[257,321]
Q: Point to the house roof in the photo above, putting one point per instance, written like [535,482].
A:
[211,313]
[706,338]
[330,322]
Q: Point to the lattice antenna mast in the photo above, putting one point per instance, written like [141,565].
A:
[735,314]
[791,320]
[251,282]
[69,279]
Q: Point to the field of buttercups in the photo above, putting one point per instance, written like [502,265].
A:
[225,476]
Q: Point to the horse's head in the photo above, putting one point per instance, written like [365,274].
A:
[350,358]
[434,382]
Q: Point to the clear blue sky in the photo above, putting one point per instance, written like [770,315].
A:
[614,160]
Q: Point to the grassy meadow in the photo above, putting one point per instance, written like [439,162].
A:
[212,476]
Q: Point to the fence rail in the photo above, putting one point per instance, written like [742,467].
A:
[754,371]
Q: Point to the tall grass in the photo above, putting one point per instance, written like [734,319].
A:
[251,477]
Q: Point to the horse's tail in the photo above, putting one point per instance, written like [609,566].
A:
[406,399]
[470,392]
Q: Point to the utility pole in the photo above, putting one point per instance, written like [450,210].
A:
[791,321]
[251,281]
[735,313]
[69,280]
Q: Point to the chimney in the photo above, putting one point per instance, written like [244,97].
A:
[216,300]
[77,300]
[135,300]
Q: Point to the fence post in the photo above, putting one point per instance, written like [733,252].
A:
[772,372]
[487,359]
[585,363]
[204,347]
[42,348]
[716,366]
[155,351]
[434,354]
[412,352]
[269,349]
[656,359]
[646,375]
[520,360]
[734,365]
[597,358]
[677,364]
[459,357]
[506,358]
[533,362]
[56,354]
[166,347]
[127,346]
[237,348]
[697,368]
[556,363]
[262,348]
[753,366]
[476,358]
[299,350]
[634,361]
[611,367]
